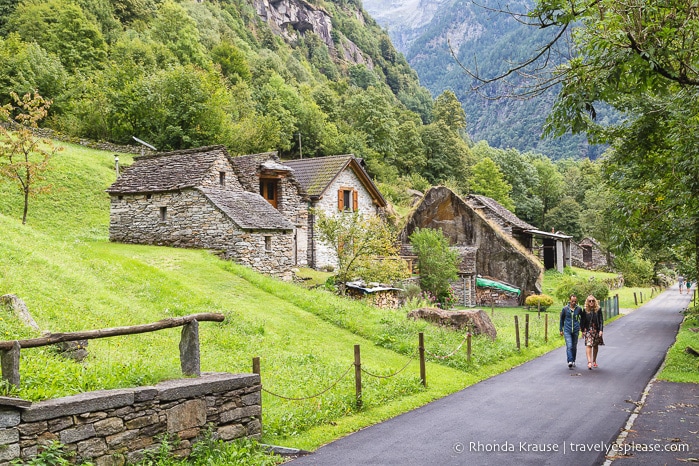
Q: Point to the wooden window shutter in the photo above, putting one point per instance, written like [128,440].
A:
[340,203]
[355,200]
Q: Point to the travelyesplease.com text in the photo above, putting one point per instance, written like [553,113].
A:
[612,449]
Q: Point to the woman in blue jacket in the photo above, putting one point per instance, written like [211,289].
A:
[570,328]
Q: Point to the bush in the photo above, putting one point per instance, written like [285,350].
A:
[581,288]
[437,263]
[536,300]
[637,270]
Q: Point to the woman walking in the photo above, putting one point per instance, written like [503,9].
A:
[591,325]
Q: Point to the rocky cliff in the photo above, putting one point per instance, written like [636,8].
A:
[290,18]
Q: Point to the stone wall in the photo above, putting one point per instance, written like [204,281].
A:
[465,289]
[101,145]
[291,199]
[192,221]
[323,254]
[295,208]
[117,427]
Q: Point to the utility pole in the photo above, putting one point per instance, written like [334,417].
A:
[300,150]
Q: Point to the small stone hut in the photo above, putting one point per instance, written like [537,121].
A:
[588,254]
[193,199]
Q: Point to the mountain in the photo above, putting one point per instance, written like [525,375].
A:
[439,36]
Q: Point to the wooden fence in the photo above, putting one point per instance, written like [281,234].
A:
[189,342]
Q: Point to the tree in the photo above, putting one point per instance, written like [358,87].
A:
[23,157]
[448,110]
[61,27]
[178,108]
[448,156]
[410,151]
[436,261]
[178,31]
[521,174]
[488,180]
[232,61]
[565,217]
[25,67]
[550,187]
[357,241]
[642,59]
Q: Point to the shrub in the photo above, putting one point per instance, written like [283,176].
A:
[637,270]
[436,261]
[581,288]
[536,300]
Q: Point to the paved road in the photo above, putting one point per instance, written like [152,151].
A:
[540,413]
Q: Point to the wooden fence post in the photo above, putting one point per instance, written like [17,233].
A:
[635,299]
[190,359]
[256,365]
[641,293]
[358,376]
[9,360]
[468,346]
[421,349]
[546,328]
[517,331]
[526,330]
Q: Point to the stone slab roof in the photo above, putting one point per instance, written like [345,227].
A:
[249,211]
[315,174]
[168,171]
[478,201]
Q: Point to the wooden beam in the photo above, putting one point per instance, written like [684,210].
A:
[112,332]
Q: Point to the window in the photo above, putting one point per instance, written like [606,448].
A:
[268,243]
[222,178]
[163,214]
[347,199]
[268,190]
[148,196]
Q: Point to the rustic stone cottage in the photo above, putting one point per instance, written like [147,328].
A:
[554,249]
[485,250]
[334,184]
[588,254]
[193,198]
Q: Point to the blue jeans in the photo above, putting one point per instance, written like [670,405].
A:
[571,345]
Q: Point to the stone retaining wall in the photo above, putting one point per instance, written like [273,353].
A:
[117,427]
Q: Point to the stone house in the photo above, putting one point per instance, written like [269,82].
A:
[334,184]
[484,249]
[588,254]
[194,199]
[554,249]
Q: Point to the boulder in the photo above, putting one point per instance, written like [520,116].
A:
[477,319]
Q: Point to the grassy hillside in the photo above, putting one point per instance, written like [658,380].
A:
[72,278]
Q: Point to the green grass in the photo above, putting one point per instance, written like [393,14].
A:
[72,278]
[680,366]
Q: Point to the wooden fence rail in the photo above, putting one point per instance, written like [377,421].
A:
[189,342]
